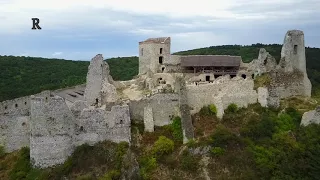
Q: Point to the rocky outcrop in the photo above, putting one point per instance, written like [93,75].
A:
[263,64]
[311,117]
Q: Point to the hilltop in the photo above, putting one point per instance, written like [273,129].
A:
[21,76]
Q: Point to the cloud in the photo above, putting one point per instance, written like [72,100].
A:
[115,27]
[56,53]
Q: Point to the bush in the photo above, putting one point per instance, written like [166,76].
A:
[162,146]
[223,137]
[188,162]
[209,110]
[217,151]
[2,152]
[22,166]
[111,175]
[213,109]
[232,108]
[177,129]
[121,150]
[285,123]
[147,165]
[191,143]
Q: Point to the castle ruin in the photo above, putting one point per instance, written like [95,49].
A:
[53,123]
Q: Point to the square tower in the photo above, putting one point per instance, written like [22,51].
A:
[153,52]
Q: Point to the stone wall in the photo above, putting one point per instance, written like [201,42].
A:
[14,122]
[52,129]
[222,92]
[164,106]
[97,124]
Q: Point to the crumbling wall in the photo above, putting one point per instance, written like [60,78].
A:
[263,64]
[99,89]
[97,124]
[14,122]
[164,106]
[221,92]
[52,129]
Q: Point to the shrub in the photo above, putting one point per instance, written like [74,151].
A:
[191,143]
[121,150]
[285,123]
[177,129]
[2,152]
[188,162]
[88,176]
[22,166]
[217,151]
[147,164]
[204,111]
[213,109]
[223,137]
[209,110]
[162,146]
[111,175]
[232,108]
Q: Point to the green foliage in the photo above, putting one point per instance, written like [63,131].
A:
[191,143]
[213,109]
[284,123]
[257,129]
[22,166]
[177,129]
[2,152]
[111,175]
[121,150]
[147,165]
[232,108]
[189,162]
[209,110]
[262,81]
[217,151]
[223,137]
[88,176]
[162,146]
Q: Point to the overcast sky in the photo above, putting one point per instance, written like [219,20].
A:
[80,29]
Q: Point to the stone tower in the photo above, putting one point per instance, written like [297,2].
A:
[153,54]
[293,54]
[52,129]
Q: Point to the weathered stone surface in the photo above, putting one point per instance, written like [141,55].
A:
[130,167]
[263,64]
[77,107]
[148,119]
[263,96]
[311,117]
[293,52]
[99,88]
[52,129]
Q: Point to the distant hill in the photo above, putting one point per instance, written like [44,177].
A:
[21,76]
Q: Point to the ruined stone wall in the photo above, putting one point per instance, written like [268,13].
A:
[52,129]
[164,106]
[149,54]
[95,125]
[14,122]
[290,83]
[221,92]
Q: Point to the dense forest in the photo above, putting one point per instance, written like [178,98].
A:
[21,76]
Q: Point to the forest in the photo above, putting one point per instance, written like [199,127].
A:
[22,76]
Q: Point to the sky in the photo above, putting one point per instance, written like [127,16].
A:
[80,29]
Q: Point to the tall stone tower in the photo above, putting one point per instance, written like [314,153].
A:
[153,53]
[293,63]
[293,54]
